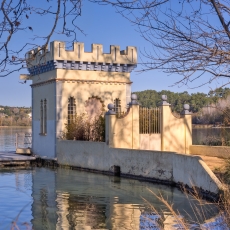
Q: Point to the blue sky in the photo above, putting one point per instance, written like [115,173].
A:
[103,25]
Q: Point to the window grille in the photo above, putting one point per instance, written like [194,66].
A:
[149,120]
[71,109]
[117,106]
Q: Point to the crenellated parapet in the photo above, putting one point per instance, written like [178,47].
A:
[43,60]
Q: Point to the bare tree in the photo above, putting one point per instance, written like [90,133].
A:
[15,18]
[188,37]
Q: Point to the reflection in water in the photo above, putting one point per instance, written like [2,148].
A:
[68,199]
[80,212]
[125,216]
[44,208]
[16,198]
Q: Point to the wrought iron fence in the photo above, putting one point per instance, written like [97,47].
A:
[150,120]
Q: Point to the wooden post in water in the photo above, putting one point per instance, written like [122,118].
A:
[16,141]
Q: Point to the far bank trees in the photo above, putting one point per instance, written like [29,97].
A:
[15,116]
[211,108]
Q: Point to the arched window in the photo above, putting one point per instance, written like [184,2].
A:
[41,116]
[71,109]
[45,116]
[117,106]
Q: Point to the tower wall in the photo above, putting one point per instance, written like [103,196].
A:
[58,51]
[58,74]
[44,143]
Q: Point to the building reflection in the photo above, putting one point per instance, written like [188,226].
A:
[67,199]
[44,196]
[125,216]
[79,212]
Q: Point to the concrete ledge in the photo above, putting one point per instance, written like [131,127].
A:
[212,151]
[12,159]
[23,151]
[168,167]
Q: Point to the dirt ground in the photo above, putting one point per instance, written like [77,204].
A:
[218,166]
[214,163]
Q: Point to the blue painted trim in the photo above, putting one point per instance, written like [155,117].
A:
[87,66]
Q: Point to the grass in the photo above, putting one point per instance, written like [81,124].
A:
[199,207]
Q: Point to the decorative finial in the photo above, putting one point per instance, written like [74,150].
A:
[186,109]
[134,99]
[164,100]
[111,109]
[164,97]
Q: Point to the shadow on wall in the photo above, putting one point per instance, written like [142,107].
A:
[175,133]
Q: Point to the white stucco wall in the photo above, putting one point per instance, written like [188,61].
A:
[44,145]
[167,166]
[150,141]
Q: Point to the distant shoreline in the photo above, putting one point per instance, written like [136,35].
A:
[15,126]
[199,126]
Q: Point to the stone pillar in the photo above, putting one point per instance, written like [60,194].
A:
[123,132]
[188,127]
[135,122]
[165,113]
[110,118]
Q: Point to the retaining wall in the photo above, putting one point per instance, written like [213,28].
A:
[169,167]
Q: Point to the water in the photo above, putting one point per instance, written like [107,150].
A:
[16,198]
[42,198]
[8,137]
[68,199]
[200,135]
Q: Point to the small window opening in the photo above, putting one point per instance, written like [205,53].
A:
[41,116]
[117,106]
[71,110]
[45,116]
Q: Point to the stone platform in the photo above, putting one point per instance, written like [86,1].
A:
[13,159]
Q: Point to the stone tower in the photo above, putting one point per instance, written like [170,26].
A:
[63,82]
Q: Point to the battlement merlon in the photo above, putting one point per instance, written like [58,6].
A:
[57,52]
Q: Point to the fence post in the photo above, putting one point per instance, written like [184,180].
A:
[135,122]
[188,128]
[16,141]
[110,118]
[165,113]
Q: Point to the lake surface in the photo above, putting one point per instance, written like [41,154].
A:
[8,137]
[201,135]
[44,198]
[68,199]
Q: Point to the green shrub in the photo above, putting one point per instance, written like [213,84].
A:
[81,128]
